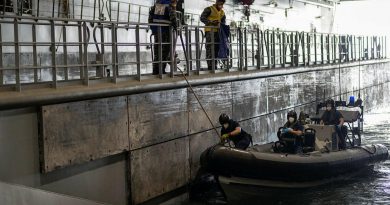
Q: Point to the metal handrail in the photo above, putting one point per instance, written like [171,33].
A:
[74,56]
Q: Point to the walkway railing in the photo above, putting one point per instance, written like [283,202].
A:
[40,52]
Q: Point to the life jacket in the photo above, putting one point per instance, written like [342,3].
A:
[161,16]
[215,15]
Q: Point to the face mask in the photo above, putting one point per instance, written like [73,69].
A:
[226,125]
[291,119]
[328,108]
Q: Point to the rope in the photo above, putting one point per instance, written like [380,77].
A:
[191,88]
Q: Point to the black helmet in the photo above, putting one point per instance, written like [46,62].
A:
[292,113]
[223,118]
[329,102]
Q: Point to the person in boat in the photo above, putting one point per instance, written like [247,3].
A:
[333,117]
[292,131]
[231,130]
[303,117]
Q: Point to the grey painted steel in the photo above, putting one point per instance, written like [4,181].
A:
[105,179]
[216,99]
[278,93]
[100,180]
[249,98]
[19,195]
[79,132]
[159,169]
[11,100]
[157,117]
[198,143]
[257,127]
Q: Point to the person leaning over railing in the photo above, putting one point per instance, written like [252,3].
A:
[163,12]
[213,16]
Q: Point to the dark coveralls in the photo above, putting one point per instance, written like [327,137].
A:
[333,118]
[205,18]
[240,141]
[161,14]
[298,141]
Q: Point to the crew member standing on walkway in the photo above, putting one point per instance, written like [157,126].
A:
[163,12]
[213,16]
[231,130]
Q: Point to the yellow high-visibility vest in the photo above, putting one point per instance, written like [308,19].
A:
[215,15]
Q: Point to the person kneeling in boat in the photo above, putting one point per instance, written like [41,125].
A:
[292,133]
[333,117]
[231,130]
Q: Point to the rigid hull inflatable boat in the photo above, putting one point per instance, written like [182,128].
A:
[259,166]
[322,161]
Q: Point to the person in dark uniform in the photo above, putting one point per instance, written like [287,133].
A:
[163,12]
[213,16]
[231,130]
[333,117]
[292,130]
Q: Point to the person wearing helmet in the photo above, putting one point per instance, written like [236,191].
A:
[293,129]
[333,117]
[231,130]
[163,12]
[213,16]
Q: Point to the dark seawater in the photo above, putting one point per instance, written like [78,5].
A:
[369,186]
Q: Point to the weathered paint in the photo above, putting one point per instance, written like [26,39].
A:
[216,99]
[249,98]
[157,117]
[78,132]
[159,169]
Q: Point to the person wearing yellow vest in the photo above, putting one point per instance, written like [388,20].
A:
[213,16]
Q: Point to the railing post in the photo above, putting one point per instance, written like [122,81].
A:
[114,50]
[328,48]
[284,50]
[197,48]
[172,52]
[322,48]
[160,48]
[253,48]
[292,57]
[335,39]
[303,48]
[188,50]
[65,54]
[138,52]
[18,86]
[308,48]
[258,53]
[53,53]
[240,53]
[385,47]
[268,46]
[35,55]
[80,43]
[340,51]
[273,49]
[315,48]
[245,50]
[213,51]
[85,54]
[296,53]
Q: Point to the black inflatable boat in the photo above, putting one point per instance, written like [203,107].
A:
[260,166]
